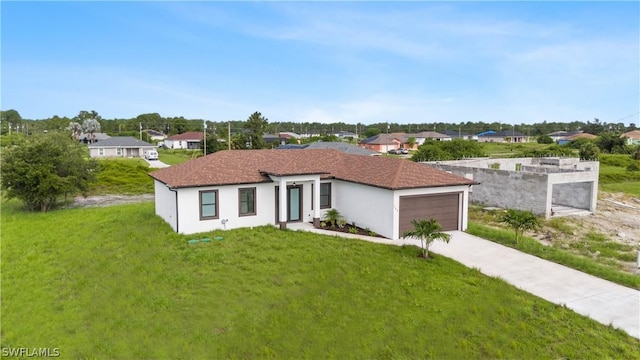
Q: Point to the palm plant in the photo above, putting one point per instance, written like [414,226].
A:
[520,221]
[427,231]
[332,217]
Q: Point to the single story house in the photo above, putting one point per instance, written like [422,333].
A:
[337,145]
[575,136]
[460,135]
[633,137]
[155,135]
[187,140]
[381,143]
[242,188]
[509,136]
[119,146]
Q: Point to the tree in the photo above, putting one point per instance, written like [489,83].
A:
[411,141]
[10,119]
[42,168]
[544,139]
[76,130]
[519,221]
[427,231]
[611,142]
[589,151]
[256,125]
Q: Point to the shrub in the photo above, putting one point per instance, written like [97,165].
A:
[544,139]
[353,230]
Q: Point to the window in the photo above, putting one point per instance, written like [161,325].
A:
[119,151]
[208,205]
[247,201]
[325,195]
[101,151]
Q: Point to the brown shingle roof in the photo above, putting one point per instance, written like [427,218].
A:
[189,135]
[251,166]
[633,134]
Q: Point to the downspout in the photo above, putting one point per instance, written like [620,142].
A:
[176,192]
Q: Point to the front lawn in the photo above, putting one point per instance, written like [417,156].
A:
[117,283]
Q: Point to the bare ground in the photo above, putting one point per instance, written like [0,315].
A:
[109,200]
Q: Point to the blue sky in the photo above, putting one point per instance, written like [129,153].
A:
[355,62]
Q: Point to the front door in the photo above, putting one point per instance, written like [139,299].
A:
[294,203]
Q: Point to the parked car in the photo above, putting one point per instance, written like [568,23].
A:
[403,151]
[392,151]
[151,155]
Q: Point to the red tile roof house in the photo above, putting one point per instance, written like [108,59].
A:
[188,140]
[243,188]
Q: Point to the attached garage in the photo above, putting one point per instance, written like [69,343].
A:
[445,208]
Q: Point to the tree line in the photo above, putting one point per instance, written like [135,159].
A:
[11,121]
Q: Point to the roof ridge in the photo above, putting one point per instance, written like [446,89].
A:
[396,176]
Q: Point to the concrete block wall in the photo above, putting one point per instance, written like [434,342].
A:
[506,189]
[577,195]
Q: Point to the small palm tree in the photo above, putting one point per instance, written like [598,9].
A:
[332,216]
[520,221]
[427,231]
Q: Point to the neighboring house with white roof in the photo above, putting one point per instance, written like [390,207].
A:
[242,188]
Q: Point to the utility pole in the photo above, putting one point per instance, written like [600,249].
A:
[229,135]
[204,127]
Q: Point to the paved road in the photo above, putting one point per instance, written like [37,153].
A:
[601,300]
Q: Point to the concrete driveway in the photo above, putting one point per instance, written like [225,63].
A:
[601,300]
[156,163]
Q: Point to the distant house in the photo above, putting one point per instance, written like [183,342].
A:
[88,138]
[188,140]
[119,146]
[460,135]
[633,137]
[575,136]
[274,140]
[286,135]
[381,143]
[557,135]
[336,145]
[155,135]
[346,134]
[509,136]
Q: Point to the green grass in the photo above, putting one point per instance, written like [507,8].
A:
[508,149]
[117,283]
[172,157]
[614,176]
[123,176]
[564,257]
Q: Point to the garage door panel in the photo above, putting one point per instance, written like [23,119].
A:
[443,207]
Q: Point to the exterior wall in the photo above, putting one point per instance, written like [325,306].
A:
[182,144]
[228,203]
[506,189]
[367,206]
[463,206]
[165,200]
[577,195]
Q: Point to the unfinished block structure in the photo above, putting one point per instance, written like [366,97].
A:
[544,186]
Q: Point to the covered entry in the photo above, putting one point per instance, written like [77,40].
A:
[445,208]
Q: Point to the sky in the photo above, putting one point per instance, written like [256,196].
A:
[352,62]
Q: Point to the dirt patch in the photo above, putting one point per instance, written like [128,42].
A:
[617,218]
[109,200]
